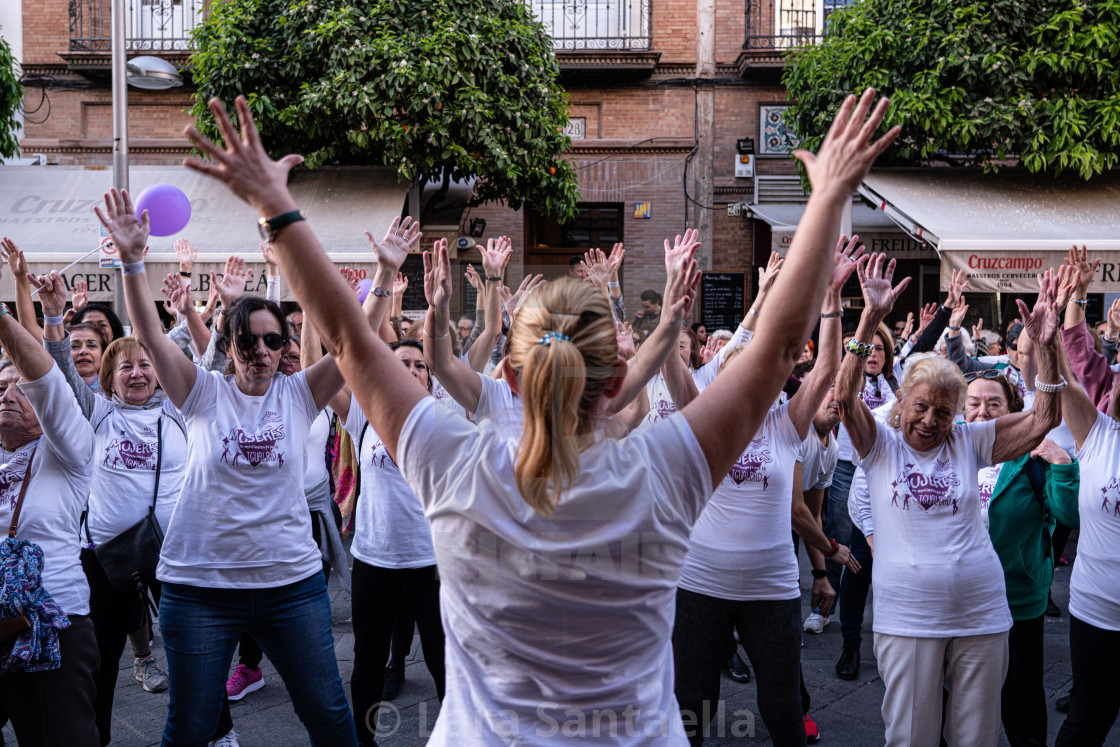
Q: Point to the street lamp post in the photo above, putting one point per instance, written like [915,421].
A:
[143,72]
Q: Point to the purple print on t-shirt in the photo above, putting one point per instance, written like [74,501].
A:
[11,478]
[749,467]
[929,490]
[131,454]
[257,448]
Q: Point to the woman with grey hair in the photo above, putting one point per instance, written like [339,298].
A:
[933,554]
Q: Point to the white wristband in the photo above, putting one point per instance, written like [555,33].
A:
[612,285]
[55,320]
[132,268]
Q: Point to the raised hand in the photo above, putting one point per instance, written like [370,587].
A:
[271,261]
[231,285]
[351,277]
[710,349]
[1088,269]
[244,166]
[495,256]
[959,313]
[80,296]
[875,280]
[211,304]
[847,152]
[597,267]
[514,301]
[185,253]
[52,292]
[178,295]
[399,240]
[956,288]
[682,251]
[849,253]
[978,329]
[400,285]
[129,233]
[767,275]
[625,339]
[473,278]
[1069,278]
[437,276]
[680,290]
[1041,323]
[908,328]
[1113,319]
[14,257]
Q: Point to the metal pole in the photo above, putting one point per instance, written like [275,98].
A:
[120,128]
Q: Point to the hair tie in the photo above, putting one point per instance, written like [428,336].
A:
[550,336]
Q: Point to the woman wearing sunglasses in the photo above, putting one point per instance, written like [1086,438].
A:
[238,554]
[931,551]
[1020,500]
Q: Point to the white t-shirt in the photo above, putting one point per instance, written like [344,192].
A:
[390,530]
[741,545]
[1094,587]
[818,460]
[1060,435]
[987,481]
[936,574]
[600,573]
[706,374]
[242,520]
[876,393]
[317,450]
[60,478]
[124,477]
[498,403]
[661,403]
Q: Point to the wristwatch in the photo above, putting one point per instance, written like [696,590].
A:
[270,227]
[381,292]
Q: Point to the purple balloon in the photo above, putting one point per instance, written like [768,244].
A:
[363,289]
[168,208]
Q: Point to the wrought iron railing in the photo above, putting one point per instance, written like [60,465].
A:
[150,25]
[784,24]
[596,24]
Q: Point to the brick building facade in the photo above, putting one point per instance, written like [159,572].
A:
[629,66]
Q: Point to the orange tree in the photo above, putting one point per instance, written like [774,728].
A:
[11,98]
[457,89]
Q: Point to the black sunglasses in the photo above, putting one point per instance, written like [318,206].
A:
[990,373]
[272,340]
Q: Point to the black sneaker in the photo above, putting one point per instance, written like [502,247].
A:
[737,669]
[1062,703]
[394,679]
[848,666]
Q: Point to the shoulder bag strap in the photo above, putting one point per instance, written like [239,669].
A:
[22,493]
[159,461]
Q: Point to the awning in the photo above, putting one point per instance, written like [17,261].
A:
[1005,227]
[48,212]
[877,231]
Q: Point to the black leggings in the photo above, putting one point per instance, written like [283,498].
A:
[378,594]
[1094,700]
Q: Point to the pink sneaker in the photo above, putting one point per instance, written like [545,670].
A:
[243,682]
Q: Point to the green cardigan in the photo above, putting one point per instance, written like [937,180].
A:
[1020,527]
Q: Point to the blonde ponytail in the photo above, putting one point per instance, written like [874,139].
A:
[564,351]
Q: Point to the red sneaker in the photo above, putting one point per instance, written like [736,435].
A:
[812,733]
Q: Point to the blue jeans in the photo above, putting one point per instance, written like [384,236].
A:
[201,628]
[837,522]
[855,587]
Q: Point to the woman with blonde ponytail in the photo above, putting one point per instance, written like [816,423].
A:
[559,554]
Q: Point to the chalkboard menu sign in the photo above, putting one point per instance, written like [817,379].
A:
[469,294]
[413,269]
[722,299]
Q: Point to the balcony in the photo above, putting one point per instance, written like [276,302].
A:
[151,26]
[774,26]
[597,38]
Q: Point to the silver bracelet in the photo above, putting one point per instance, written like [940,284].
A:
[1050,388]
[132,268]
[752,312]
[435,337]
[1079,301]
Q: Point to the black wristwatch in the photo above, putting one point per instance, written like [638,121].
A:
[270,227]
[820,573]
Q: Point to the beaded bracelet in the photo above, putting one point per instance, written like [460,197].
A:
[1050,388]
[859,349]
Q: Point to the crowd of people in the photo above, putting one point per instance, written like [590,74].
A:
[584,516]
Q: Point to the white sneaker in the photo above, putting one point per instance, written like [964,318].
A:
[815,623]
[229,740]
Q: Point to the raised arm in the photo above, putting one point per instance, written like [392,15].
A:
[767,276]
[178,294]
[1018,433]
[460,381]
[25,307]
[391,253]
[495,257]
[56,340]
[878,300]
[602,270]
[1086,271]
[809,396]
[176,374]
[729,412]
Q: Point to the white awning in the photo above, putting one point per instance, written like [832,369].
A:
[1004,227]
[48,212]
[878,232]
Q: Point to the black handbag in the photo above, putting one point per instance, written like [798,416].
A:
[129,560]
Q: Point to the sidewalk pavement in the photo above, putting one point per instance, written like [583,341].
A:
[846,712]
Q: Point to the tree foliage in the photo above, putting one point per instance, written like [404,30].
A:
[454,89]
[11,98]
[973,83]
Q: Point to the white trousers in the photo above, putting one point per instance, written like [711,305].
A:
[916,671]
